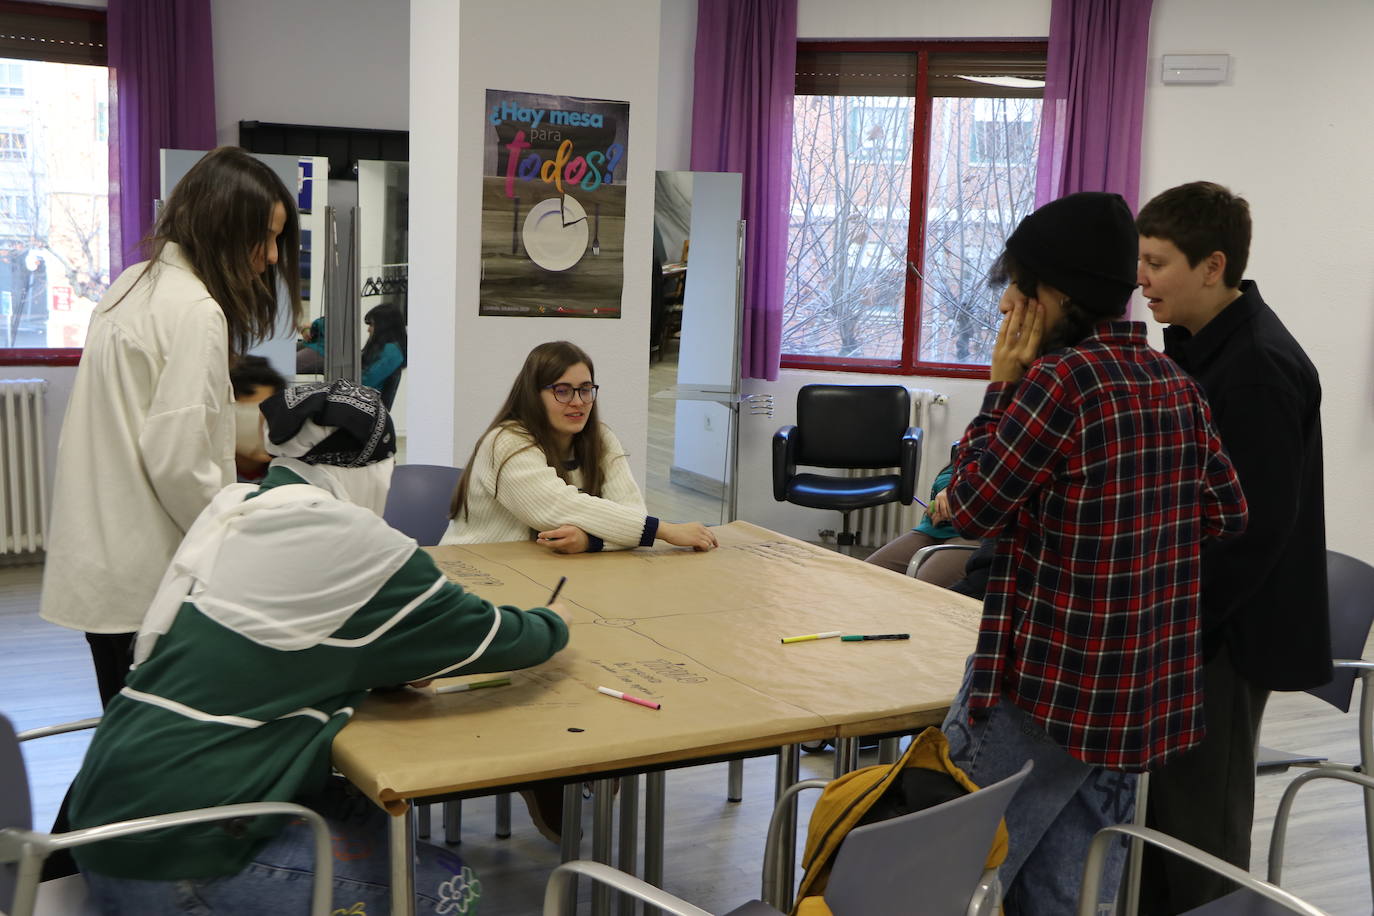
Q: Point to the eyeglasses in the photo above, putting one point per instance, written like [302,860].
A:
[563,394]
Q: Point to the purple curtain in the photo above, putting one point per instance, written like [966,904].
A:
[746,67]
[162,96]
[1094,98]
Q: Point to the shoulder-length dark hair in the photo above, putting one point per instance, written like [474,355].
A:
[219,214]
[388,326]
[524,410]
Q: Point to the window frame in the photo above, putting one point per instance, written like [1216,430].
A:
[909,362]
[48,356]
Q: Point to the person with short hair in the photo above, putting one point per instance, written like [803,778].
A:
[1094,465]
[1265,619]
[254,381]
[285,604]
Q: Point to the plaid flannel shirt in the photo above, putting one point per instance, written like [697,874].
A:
[1100,475]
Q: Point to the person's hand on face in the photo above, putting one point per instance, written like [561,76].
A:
[1019,339]
[564,539]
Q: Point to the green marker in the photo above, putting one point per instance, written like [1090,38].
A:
[875,636]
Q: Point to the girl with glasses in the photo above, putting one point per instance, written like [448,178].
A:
[548,469]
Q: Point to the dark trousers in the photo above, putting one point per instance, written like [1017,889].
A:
[1206,796]
[111,654]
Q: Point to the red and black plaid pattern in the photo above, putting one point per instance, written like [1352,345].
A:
[1100,475]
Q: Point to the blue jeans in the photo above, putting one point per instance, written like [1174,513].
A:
[280,877]
[1053,817]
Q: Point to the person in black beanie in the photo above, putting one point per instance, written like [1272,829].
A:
[1094,467]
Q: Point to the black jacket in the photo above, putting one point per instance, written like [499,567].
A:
[1264,592]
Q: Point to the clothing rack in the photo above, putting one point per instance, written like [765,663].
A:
[391,280]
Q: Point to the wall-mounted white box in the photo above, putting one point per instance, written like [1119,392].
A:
[1195,68]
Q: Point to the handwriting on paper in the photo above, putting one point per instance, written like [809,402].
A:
[466,573]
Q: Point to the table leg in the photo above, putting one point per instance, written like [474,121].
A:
[655,786]
[734,789]
[571,847]
[889,749]
[788,768]
[629,837]
[502,815]
[603,815]
[424,818]
[453,823]
[403,863]
[846,755]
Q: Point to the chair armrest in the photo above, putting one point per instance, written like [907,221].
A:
[47,730]
[911,464]
[559,893]
[29,849]
[771,868]
[1280,836]
[1106,837]
[986,895]
[919,557]
[784,460]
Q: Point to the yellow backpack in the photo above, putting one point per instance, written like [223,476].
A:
[925,776]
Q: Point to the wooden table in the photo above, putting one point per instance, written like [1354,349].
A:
[699,633]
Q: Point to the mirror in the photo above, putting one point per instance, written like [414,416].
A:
[694,346]
[382,222]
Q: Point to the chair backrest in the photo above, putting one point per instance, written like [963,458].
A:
[15,810]
[1350,589]
[852,426]
[927,861]
[389,387]
[419,499]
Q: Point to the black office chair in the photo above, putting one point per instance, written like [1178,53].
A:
[848,426]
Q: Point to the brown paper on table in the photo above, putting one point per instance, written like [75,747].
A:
[698,633]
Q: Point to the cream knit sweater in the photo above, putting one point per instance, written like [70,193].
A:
[530,496]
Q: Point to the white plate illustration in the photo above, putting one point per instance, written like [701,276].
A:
[555,233]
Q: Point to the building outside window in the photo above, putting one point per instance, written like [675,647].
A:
[947,132]
[54,179]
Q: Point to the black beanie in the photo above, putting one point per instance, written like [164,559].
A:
[1085,245]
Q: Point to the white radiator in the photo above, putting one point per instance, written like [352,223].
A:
[23,495]
[884,523]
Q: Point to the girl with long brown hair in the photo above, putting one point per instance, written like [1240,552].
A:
[548,469]
[148,438]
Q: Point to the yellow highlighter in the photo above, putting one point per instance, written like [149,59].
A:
[831,635]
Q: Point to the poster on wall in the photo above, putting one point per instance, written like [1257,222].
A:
[553,205]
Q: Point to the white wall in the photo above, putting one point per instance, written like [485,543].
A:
[459,52]
[337,63]
[677,45]
[1287,132]
[925,19]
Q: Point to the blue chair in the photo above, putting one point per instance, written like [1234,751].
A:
[419,499]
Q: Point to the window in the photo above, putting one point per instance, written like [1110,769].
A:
[875,282]
[14,145]
[11,78]
[54,180]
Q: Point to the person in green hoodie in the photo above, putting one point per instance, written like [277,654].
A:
[284,605]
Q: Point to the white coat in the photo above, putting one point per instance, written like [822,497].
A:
[147,442]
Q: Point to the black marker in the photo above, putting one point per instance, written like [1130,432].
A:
[857,638]
[556,589]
